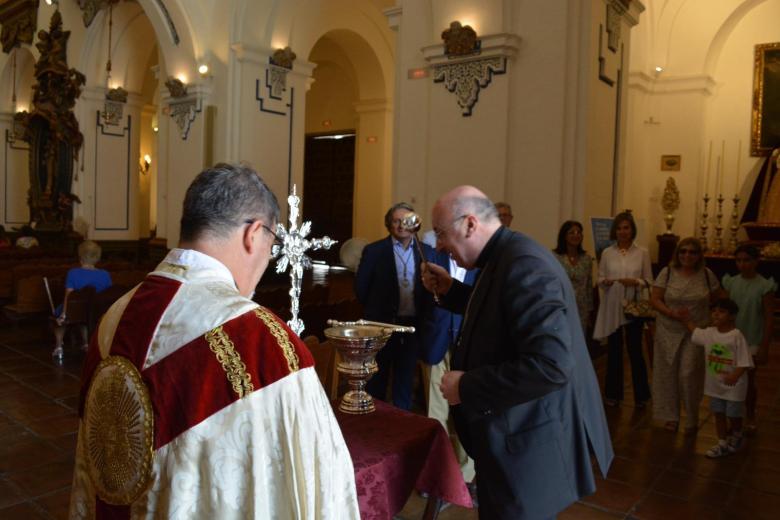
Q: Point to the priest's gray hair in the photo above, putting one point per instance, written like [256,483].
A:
[482,207]
[224,197]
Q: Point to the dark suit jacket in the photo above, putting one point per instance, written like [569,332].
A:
[531,410]
[376,282]
[441,326]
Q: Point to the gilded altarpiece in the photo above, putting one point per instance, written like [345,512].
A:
[52,131]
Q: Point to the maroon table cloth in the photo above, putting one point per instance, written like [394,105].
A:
[393,452]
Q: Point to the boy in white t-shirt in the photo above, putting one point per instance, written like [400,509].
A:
[727,358]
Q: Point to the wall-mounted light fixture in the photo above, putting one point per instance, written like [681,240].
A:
[203,69]
[145,164]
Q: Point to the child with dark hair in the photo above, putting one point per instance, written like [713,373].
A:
[755,296]
[727,361]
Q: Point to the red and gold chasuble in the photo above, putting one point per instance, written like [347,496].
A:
[197,403]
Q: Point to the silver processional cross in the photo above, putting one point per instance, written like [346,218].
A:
[292,252]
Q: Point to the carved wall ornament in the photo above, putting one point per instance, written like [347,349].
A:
[467,78]
[114,106]
[90,9]
[277,81]
[183,112]
[19,126]
[615,11]
[117,94]
[460,40]
[283,58]
[19,21]
[176,88]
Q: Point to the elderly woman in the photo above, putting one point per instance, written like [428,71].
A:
[579,266]
[682,292]
[77,278]
[624,269]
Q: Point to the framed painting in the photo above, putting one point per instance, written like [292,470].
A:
[765,127]
[670,163]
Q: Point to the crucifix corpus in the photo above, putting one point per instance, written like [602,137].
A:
[292,252]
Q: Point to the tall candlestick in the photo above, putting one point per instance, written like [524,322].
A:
[709,163]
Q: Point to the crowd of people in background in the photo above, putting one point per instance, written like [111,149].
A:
[731,319]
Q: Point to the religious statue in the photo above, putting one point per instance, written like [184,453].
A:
[52,130]
[769,209]
[670,203]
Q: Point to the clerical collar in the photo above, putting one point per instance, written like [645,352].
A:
[484,256]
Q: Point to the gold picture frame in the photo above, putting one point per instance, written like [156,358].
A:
[765,123]
[670,163]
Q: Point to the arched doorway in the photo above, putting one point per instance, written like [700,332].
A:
[348,137]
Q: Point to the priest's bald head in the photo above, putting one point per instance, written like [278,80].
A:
[463,220]
[229,214]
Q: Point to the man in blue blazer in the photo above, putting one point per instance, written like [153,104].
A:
[523,391]
[389,286]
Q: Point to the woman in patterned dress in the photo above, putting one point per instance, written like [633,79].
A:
[682,292]
[579,266]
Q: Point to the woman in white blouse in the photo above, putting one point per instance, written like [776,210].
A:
[624,269]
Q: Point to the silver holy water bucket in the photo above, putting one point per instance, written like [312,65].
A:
[358,342]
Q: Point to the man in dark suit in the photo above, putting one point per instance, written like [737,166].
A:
[389,286]
[523,391]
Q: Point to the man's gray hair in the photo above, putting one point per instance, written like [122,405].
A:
[482,207]
[393,209]
[224,197]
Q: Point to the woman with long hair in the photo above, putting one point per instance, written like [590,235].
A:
[578,264]
[682,292]
[624,269]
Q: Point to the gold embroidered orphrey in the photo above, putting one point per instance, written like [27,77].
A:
[281,337]
[235,369]
[119,425]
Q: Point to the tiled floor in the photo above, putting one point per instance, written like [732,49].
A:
[656,474]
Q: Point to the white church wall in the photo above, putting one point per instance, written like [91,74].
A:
[525,140]
[607,66]
[329,103]
[703,95]
[15,177]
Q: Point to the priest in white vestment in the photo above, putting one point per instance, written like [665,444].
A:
[198,403]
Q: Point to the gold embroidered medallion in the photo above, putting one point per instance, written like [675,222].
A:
[281,338]
[119,426]
[235,369]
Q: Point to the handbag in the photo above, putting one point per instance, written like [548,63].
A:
[639,308]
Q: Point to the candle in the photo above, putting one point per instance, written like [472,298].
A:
[739,153]
[722,166]
[709,163]
[717,178]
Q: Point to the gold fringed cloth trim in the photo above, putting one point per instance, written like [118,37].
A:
[293,362]
[235,369]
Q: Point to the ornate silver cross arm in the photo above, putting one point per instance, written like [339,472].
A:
[292,252]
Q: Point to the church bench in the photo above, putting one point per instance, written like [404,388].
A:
[30,298]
